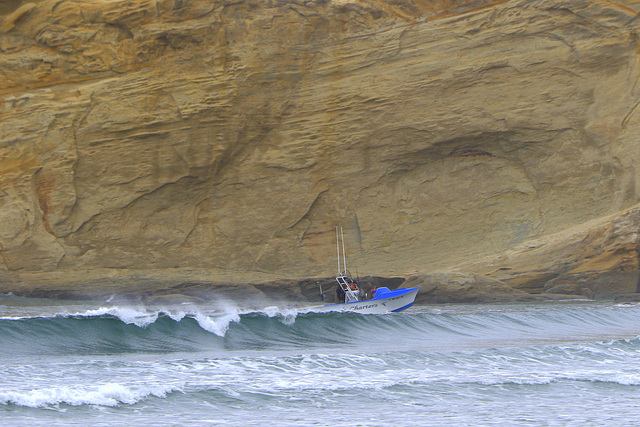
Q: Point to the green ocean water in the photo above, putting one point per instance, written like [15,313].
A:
[99,364]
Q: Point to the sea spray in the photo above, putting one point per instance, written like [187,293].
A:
[128,315]
[216,325]
[288,315]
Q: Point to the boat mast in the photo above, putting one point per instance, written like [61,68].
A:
[344,255]
[344,281]
[338,249]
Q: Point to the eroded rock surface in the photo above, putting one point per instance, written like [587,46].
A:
[451,287]
[598,259]
[223,141]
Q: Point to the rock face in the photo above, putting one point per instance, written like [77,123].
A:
[454,287]
[598,259]
[225,140]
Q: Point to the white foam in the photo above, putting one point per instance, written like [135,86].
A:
[109,394]
[288,315]
[177,315]
[211,320]
[127,315]
[138,317]
[217,325]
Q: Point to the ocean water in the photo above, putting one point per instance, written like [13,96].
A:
[67,364]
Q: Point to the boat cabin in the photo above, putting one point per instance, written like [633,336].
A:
[350,295]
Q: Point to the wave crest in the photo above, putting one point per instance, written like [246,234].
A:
[109,394]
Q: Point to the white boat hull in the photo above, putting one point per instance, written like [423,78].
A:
[374,306]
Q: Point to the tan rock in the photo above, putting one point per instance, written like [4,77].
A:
[452,287]
[598,259]
[148,137]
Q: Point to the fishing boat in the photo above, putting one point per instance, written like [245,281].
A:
[384,300]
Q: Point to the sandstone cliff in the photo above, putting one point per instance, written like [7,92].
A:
[168,140]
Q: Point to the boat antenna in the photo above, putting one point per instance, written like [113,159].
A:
[338,249]
[344,256]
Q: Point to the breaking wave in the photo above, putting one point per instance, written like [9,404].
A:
[110,394]
[116,330]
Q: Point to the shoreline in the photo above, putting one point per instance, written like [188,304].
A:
[446,287]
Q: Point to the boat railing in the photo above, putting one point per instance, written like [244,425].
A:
[345,283]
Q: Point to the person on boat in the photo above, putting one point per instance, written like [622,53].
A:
[340,293]
[355,288]
[373,292]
